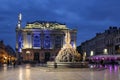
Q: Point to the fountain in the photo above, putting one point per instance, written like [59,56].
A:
[67,56]
[67,53]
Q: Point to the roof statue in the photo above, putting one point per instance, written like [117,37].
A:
[46,25]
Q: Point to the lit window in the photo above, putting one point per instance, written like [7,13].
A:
[47,42]
[27,52]
[105,51]
[36,40]
[91,53]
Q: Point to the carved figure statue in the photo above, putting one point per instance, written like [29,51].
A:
[67,53]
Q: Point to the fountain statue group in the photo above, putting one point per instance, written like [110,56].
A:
[67,53]
[68,56]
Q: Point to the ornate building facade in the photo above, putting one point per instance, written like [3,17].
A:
[7,54]
[41,41]
[107,42]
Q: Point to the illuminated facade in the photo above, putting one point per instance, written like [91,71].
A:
[41,41]
[7,54]
[107,42]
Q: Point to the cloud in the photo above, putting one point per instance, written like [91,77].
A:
[88,16]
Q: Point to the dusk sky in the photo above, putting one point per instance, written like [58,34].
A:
[87,16]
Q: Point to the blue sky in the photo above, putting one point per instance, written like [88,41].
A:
[87,16]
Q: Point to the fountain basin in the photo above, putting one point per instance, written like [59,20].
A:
[67,64]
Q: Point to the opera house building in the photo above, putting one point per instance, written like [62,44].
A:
[40,41]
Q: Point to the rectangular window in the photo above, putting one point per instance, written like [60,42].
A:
[58,42]
[36,41]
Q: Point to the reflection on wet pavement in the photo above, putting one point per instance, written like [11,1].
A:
[26,72]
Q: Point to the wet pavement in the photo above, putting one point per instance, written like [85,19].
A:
[26,72]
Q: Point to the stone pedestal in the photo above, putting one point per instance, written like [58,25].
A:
[67,64]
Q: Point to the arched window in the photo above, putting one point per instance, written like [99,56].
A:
[47,42]
[36,40]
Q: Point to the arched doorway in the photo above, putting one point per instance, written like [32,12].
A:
[36,57]
[47,56]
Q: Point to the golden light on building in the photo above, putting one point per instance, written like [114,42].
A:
[27,52]
[5,57]
[84,56]
[40,41]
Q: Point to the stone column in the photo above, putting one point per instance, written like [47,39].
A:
[32,40]
[42,40]
[53,41]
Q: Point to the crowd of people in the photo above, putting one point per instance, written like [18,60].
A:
[103,62]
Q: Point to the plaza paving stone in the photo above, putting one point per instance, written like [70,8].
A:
[25,72]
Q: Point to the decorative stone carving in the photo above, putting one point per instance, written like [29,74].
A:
[46,25]
[67,53]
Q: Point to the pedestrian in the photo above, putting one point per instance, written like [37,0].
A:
[102,63]
[55,65]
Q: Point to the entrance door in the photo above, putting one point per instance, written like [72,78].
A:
[36,57]
[47,56]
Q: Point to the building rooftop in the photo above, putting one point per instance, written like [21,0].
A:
[54,22]
[46,25]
